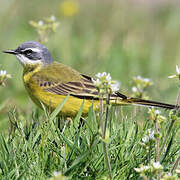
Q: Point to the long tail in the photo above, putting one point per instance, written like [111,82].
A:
[149,103]
[135,101]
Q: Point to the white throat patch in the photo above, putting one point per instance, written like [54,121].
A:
[26,61]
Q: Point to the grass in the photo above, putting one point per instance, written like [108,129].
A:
[118,37]
[36,148]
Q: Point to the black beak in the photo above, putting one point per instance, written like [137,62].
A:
[10,52]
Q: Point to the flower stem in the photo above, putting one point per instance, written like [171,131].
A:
[101,113]
[157,146]
[177,160]
[105,146]
[107,114]
[175,164]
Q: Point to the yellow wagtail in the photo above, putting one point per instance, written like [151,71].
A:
[50,82]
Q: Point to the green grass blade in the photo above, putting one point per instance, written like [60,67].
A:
[58,109]
[78,116]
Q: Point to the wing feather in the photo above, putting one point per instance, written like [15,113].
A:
[65,80]
[83,89]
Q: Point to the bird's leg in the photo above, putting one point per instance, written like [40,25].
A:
[81,123]
[59,123]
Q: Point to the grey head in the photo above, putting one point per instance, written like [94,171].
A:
[31,53]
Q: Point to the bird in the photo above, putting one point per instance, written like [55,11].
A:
[50,82]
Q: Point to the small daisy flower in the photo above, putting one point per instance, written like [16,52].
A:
[134,89]
[157,112]
[56,173]
[97,82]
[177,73]
[154,113]
[105,84]
[142,169]
[145,139]
[4,76]
[140,85]
[177,69]
[149,136]
[115,86]
[157,165]
[53,18]
[40,23]
[108,77]
[3,73]
[147,80]
[172,76]
[139,77]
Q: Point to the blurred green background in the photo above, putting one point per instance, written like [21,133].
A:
[125,38]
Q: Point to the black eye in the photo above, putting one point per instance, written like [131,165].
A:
[28,52]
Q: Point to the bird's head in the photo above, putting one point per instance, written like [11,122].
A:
[31,53]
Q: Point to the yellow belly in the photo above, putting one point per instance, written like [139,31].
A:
[51,101]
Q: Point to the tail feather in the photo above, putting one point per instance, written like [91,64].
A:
[151,103]
[136,101]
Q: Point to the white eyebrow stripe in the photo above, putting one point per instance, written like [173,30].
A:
[33,49]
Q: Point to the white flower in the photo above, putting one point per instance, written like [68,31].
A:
[151,134]
[4,75]
[154,111]
[56,173]
[53,18]
[145,139]
[172,76]
[3,72]
[115,86]
[99,75]
[177,69]
[142,169]
[177,73]
[96,82]
[143,80]
[150,110]
[40,23]
[139,77]
[157,165]
[157,112]
[134,89]
[108,77]
[103,75]
[146,79]
[169,174]
[105,84]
